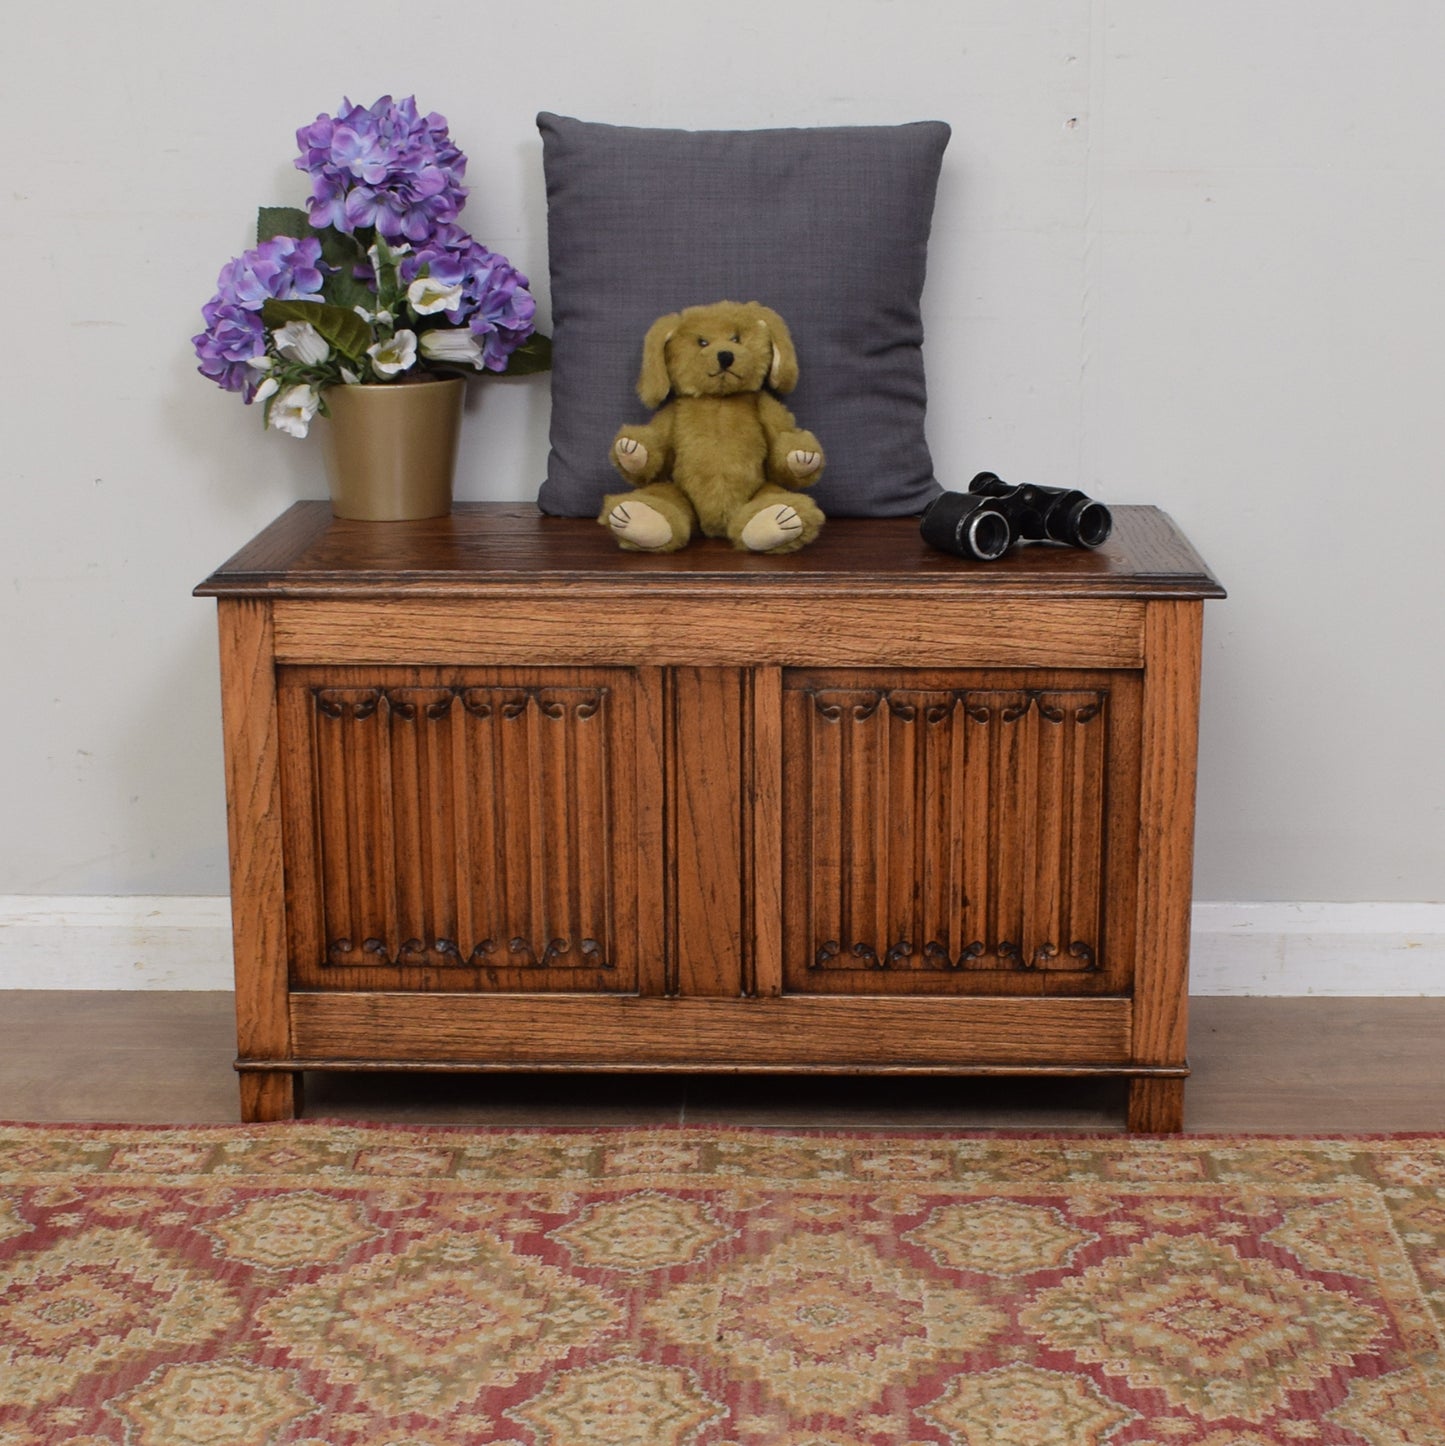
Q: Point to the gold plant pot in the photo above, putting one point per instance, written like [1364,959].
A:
[391,449]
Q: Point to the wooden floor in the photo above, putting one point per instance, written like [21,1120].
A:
[1276,1065]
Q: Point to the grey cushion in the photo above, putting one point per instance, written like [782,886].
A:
[828,226]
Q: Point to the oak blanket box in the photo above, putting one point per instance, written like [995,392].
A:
[502,797]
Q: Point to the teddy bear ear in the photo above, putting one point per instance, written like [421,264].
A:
[653,382]
[783,373]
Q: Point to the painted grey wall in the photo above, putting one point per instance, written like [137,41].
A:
[1184,254]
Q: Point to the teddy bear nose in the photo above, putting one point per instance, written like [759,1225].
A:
[725,359]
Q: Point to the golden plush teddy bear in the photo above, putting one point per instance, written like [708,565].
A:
[723,455]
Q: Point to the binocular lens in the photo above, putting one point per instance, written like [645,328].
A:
[1093,524]
[987,535]
[966,525]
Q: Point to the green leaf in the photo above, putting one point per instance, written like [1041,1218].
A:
[343,329]
[338,248]
[342,289]
[281,221]
[343,252]
[533,356]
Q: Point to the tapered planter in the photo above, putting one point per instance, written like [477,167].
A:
[391,450]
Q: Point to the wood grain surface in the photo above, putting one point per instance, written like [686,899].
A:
[718,630]
[524,1031]
[1297,1066]
[490,546]
[960,832]
[254,820]
[1166,854]
[468,828]
[707,844]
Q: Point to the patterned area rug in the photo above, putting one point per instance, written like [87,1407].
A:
[370,1286]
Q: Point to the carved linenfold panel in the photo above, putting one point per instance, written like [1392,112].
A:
[947,831]
[461,828]
[831,950]
[935,955]
[518,954]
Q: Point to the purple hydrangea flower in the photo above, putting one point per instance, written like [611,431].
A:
[233,335]
[505,314]
[282,267]
[383,166]
[495,303]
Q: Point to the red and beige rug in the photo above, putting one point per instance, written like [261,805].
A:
[370,1286]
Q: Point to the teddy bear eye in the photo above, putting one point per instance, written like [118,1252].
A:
[737,340]
[703,341]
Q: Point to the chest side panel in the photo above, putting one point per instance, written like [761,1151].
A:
[960,833]
[462,829]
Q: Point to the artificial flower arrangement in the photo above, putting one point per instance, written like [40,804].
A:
[373,283]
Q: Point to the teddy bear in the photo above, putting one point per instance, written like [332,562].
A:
[721,455]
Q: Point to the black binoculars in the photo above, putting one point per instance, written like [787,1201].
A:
[984,522]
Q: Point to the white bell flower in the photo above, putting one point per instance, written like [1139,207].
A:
[428,296]
[299,341]
[293,410]
[381,251]
[391,358]
[452,344]
[268,388]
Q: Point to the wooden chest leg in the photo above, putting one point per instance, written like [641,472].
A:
[1172,641]
[253,815]
[270,1095]
[1156,1106]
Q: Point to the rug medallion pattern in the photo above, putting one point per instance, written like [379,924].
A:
[312,1285]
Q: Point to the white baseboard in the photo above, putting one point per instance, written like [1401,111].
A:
[132,941]
[1340,949]
[183,942]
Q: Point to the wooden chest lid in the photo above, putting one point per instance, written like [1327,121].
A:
[483,548]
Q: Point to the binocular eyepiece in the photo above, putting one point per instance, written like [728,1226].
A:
[984,522]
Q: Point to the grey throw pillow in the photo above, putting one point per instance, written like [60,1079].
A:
[827,226]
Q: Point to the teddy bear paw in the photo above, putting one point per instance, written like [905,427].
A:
[804,464]
[631,455]
[771,528]
[639,524]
